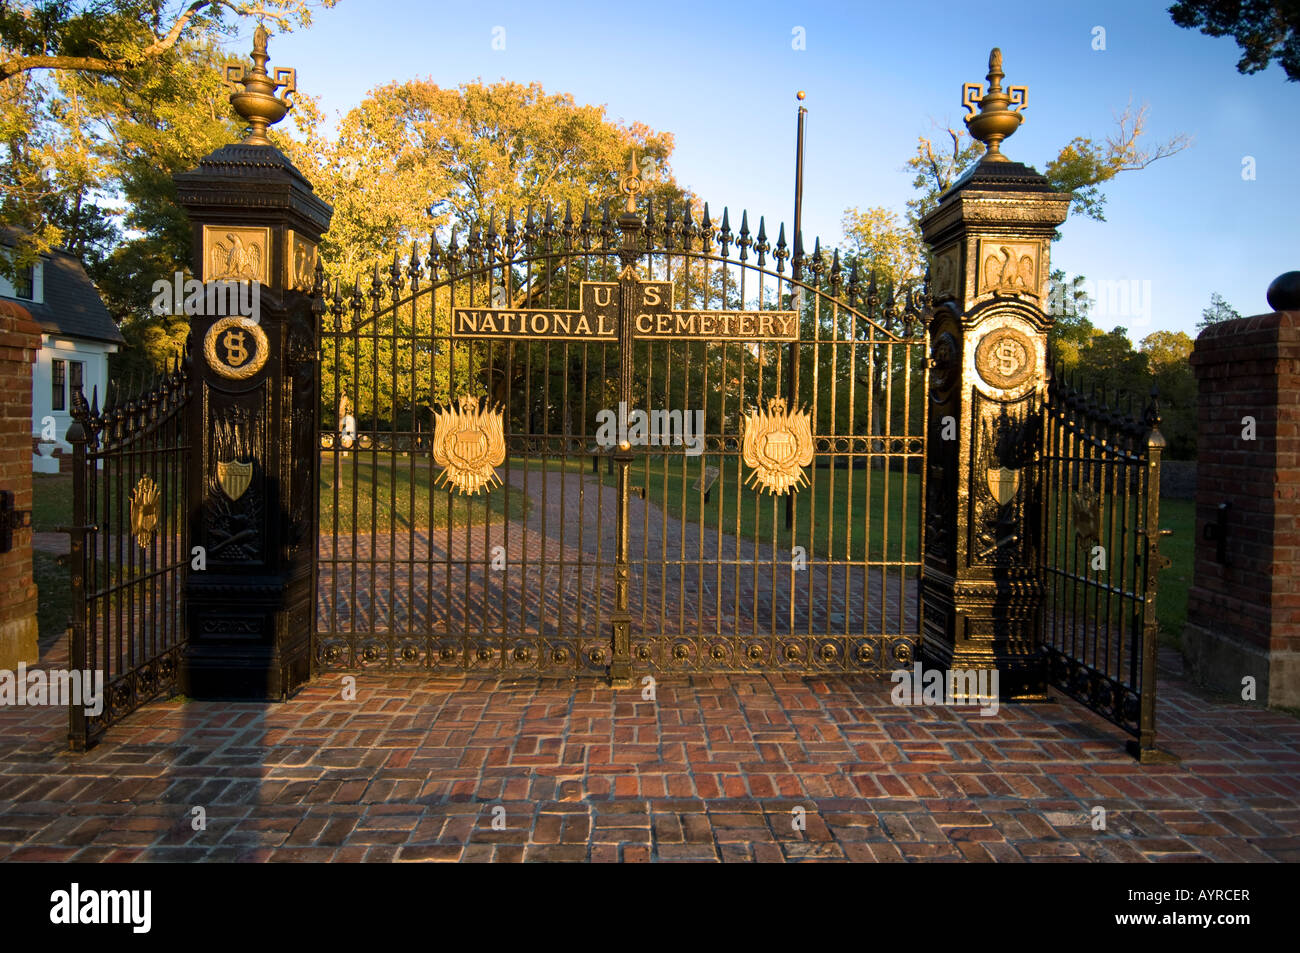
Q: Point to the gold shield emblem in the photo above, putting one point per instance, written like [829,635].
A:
[776,445]
[468,443]
[234,476]
[144,511]
[1003,484]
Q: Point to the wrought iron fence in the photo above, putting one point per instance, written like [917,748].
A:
[129,546]
[526,576]
[1100,555]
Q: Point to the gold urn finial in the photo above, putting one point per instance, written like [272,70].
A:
[253,90]
[993,121]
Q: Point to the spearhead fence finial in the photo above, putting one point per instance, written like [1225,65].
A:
[993,121]
[253,91]
[631,185]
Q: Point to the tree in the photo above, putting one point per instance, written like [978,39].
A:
[1071,331]
[1218,312]
[119,37]
[124,221]
[1167,355]
[98,100]
[1079,168]
[416,160]
[415,157]
[1166,350]
[935,172]
[1110,366]
[1264,29]
[882,246]
[1083,164]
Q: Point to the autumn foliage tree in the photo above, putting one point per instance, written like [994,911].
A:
[100,104]
[415,162]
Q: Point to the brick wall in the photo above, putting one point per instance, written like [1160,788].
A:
[1244,613]
[20,338]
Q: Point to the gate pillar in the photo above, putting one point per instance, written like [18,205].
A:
[989,240]
[250,589]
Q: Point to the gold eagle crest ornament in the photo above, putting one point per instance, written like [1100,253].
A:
[776,445]
[468,443]
[144,511]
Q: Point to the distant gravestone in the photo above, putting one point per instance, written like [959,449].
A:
[704,482]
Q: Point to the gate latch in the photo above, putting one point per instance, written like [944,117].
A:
[10,520]
[1217,532]
[1163,561]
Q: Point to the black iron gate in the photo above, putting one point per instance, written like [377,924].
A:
[619,444]
[1101,469]
[129,549]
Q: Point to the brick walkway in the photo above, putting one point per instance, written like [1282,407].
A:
[413,769]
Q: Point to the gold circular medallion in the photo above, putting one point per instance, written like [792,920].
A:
[235,347]
[1005,357]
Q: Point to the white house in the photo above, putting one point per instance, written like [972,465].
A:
[77,336]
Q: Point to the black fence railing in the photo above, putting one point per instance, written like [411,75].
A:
[1101,474]
[129,548]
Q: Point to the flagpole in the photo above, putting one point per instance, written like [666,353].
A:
[796,272]
[798,187]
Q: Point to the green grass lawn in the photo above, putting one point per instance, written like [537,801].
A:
[51,508]
[54,598]
[51,501]
[52,497]
[832,518]
[1171,598]
[393,495]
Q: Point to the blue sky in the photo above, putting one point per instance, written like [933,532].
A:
[722,77]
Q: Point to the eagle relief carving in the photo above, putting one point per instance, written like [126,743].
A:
[1009,269]
[236,254]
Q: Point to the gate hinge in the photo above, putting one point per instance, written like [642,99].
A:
[10,520]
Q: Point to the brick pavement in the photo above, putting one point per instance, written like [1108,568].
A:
[711,770]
